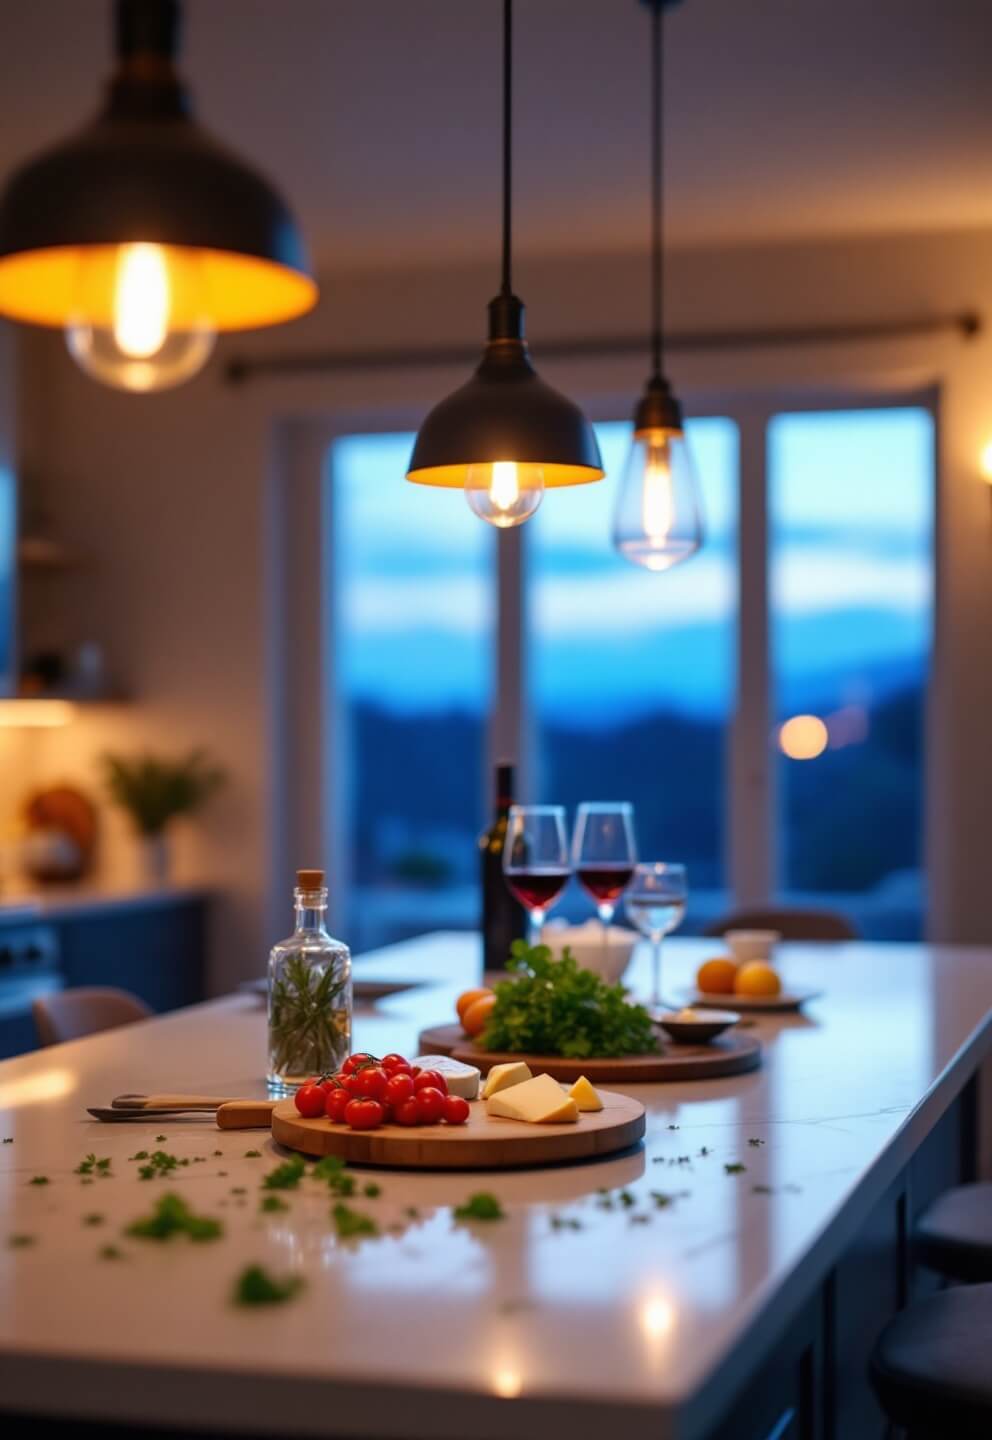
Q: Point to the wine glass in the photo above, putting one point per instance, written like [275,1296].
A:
[535,859]
[604,853]
[655,900]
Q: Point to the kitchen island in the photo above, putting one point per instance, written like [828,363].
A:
[726,1286]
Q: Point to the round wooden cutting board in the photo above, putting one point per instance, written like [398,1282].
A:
[484,1142]
[731,1054]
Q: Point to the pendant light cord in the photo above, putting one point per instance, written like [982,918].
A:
[657,249]
[507,287]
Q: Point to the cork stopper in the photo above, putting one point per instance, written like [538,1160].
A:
[309,879]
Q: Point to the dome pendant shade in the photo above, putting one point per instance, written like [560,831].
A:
[145,173]
[505,413]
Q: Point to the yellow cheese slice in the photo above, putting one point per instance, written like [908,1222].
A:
[585,1095]
[541,1101]
[501,1077]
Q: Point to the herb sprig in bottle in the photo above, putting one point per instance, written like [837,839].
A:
[309,993]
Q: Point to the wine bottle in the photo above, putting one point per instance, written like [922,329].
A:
[504,919]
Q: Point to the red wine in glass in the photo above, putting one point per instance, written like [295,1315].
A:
[605,883]
[537,889]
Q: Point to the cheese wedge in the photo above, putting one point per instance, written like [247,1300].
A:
[461,1079]
[501,1077]
[541,1101]
[585,1095]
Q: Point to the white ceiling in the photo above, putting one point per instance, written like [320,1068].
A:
[380,117]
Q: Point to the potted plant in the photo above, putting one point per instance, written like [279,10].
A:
[153,791]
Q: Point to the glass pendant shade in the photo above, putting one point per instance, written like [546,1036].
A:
[658,520]
[142,236]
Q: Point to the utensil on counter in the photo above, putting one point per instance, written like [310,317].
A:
[169,1101]
[229,1114]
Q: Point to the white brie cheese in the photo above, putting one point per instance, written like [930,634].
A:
[461,1079]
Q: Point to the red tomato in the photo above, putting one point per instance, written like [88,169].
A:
[455,1109]
[364,1114]
[370,1082]
[309,1101]
[433,1078]
[350,1082]
[430,1105]
[393,1062]
[399,1087]
[408,1113]
[360,1058]
[336,1101]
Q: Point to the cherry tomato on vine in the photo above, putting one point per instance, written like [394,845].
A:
[354,1062]
[309,1101]
[364,1114]
[336,1101]
[455,1109]
[399,1087]
[370,1082]
[393,1062]
[430,1105]
[432,1078]
[407,1113]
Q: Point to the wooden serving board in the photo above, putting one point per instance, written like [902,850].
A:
[484,1142]
[730,1054]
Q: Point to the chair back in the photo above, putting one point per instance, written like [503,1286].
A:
[70,1014]
[791,923]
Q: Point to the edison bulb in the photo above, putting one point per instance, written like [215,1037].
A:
[658,520]
[505,493]
[138,322]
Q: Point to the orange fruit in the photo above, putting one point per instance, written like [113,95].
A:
[716,977]
[467,998]
[475,1017]
[757,978]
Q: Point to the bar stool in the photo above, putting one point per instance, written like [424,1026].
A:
[954,1234]
[931,1368]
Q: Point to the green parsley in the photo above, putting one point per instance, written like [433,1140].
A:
[756,1143]
[565,1222]
[734,1168]
[287,1175]
[411,1212]
[159,1163]
[111,1252]
[627,1199]
[480,1206]
[332,1169]
[172,1216]
[160,1138]
[93,1219]
[92,1166]
[352,1223]
[40,1180]
[139,1155]
[552,1007]
[255,1286]
[372,1191]
[271,1204]
[253,1154]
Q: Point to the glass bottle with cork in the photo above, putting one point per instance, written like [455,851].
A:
[309,993]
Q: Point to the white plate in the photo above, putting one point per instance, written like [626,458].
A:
[787,1000]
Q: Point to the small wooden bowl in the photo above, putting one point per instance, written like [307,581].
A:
[698,1031]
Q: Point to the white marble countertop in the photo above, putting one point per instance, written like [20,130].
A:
[515,1328]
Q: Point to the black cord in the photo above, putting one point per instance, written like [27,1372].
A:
[657,249]
[507,287]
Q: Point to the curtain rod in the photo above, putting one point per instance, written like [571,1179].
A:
[965,323]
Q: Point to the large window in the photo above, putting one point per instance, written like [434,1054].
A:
[631,675]
[630,678]
[851,541]
[414,586]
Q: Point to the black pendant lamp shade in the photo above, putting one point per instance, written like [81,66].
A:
[144,172]
[506,413]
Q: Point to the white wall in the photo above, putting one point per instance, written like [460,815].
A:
[178,500]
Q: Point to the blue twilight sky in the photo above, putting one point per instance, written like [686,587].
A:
[851,520]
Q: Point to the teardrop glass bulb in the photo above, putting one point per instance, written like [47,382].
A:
[658,520]
[504,492]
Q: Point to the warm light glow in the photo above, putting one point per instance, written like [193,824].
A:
[141,300]
[985,463]
[35,714]
[657,1318]
[507,1383]
[504,489]
[504,492]
[41,1085]
[656,504]
[804,737]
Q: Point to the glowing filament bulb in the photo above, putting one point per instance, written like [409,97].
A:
[141,301]
[656,512]
[504,489]
[504,492]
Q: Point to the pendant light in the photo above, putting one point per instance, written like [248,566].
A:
[658,519]
[140,234]
[505,437]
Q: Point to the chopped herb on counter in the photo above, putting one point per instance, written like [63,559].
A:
[139,1155]
[20,1242]
[253,1154]
[661,1200]
[565,1222]
[40,1180]
[734,1168]
[673,1127]
[238,1190]
[332,1169]
[92,1166]
[172,1216]
[159,1163]
[756,1142]
[218,1152]
[704,1151]
[627,1199]
[111,1252]
[270,1204]
[287,1175]
[411,1212]
[372,1191]
[481,1206]
[93,1219]
[160,1138]
[352,1223]
[255,1286]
